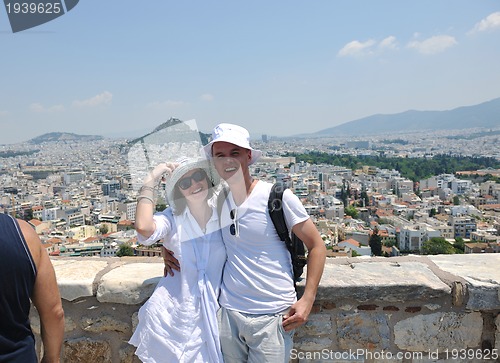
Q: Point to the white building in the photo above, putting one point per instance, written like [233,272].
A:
[71,177]
[412,237]
[353,245]
[128,208]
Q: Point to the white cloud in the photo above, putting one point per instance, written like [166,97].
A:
[207,97]
[168,104]
[357,48]
[38,107]
[434,44]
[370,47]
[100,99]
[491,22]
[388,43]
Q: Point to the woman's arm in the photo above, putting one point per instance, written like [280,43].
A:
[144,222]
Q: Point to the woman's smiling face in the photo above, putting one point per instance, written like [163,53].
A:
[194,185]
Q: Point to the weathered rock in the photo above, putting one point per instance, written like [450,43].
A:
[388,281]
[85,350]
[481,273]
[67,270]
[497,334]
[363,330]
[127,354]
[311,344]
[129,284]
[439,331]
[104,323]
[318,324]
[135,320]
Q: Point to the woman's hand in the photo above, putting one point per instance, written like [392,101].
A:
[160,171]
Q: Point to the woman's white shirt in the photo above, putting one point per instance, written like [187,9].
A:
[179,320]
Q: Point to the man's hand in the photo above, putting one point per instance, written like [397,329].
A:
[171,263]
[297,315]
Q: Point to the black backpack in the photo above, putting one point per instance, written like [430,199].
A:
[293,243]
[275,207]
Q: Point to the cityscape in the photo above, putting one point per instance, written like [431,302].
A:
[79,196]
[382,117]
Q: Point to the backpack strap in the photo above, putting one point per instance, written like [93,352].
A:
[275,207]
[294,245]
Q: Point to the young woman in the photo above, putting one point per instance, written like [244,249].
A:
[178,323]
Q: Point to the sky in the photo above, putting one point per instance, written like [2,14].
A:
[276,67]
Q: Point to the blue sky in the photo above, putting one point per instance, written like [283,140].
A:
[276,67]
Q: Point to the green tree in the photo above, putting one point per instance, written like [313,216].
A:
[375,243]
[351,211]
[432,212]
[459,245]
[161,207]
[103,229]
[125,250]
[412,168]
[343,196]
[437,246]
[364,200]
[456,200]
[28,214]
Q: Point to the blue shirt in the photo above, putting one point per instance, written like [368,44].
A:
[17,279]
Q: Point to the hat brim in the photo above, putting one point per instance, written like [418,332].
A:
[181,170]
[256,154]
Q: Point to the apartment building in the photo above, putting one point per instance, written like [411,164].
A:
[463,226]
[411,237]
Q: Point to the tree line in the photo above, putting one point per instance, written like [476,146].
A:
[11,153]
[414,169]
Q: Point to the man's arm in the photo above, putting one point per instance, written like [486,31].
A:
[46,297]
[299,312]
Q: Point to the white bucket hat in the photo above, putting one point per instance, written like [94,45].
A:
[232,134]
[186,165]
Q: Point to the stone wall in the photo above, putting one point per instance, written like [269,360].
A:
[405,309]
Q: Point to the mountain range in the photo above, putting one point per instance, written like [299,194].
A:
[484,115]
[63,136]
[170,123]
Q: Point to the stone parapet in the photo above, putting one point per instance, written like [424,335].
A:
[403,309]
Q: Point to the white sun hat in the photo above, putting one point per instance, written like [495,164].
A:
[186,165]
[232,134]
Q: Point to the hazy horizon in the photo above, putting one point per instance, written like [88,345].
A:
[279,68]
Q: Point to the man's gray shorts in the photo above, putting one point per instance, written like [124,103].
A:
[254,338]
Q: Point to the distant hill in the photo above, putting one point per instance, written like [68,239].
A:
[485,115]
[63,136]
[170,122]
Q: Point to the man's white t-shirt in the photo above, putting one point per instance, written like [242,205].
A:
[257,276]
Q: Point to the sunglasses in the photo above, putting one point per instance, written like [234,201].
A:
[234,228]
[197,176]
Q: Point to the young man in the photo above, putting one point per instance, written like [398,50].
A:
[259,305]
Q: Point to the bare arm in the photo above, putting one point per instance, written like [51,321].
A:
[300,311]
[46,297]
[144,222]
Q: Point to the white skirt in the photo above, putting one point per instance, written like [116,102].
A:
[169,330]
